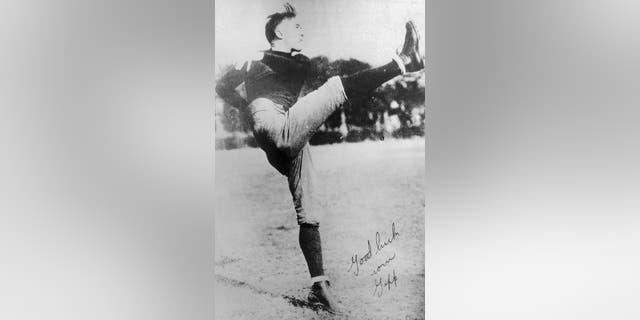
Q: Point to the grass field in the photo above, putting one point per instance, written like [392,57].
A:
[365,187]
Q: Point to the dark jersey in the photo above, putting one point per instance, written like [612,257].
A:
[279,77]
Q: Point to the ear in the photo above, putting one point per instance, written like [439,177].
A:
[279,33]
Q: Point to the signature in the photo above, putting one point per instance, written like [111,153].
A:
[382,284]
[384,264]
[380,244]
[361,261]
[394,235]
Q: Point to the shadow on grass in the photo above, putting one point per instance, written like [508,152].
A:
[294,301]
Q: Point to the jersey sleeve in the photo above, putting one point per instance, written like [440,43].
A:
[226,87]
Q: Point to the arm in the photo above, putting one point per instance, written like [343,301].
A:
[226,87]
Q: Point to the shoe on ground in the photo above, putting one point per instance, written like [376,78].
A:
[321,295]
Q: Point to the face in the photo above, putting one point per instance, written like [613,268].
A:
[291,33]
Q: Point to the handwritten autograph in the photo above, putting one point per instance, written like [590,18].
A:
[381,266]
[381,285]
[380,244]
[394,235]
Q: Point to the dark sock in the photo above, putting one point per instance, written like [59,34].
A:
[311,248]
[359,85]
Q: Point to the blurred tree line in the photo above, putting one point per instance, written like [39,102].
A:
[389,112]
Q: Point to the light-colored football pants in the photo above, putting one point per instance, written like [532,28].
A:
[284,137]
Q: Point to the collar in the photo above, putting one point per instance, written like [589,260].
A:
[285,62]
[291,53]
[278,53]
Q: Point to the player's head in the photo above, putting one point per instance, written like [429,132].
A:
[284,27]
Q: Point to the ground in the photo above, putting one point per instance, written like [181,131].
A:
[366,188]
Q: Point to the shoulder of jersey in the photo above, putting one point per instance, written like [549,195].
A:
[248,63]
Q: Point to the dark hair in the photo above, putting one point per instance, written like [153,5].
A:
[274,20]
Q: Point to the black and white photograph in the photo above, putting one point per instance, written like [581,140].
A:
[319,159]
[319,163]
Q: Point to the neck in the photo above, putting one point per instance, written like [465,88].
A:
[279,46]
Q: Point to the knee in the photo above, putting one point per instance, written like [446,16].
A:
[306,220]
[284,146]
[305,223]
[287,148]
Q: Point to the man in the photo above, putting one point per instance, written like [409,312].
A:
[283,122]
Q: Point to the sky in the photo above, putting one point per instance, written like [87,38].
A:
[368,30]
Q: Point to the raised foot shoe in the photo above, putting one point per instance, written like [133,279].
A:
[321,295]
[410,53]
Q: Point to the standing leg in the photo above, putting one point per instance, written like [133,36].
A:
[301,184]
[269,122]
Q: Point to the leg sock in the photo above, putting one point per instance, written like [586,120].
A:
[358,86]
[311,249]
